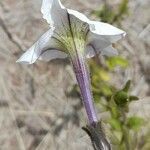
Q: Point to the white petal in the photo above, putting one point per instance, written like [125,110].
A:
[109,51]
[52,54]
[78,15]
[53,9]
[101,36]
[45,9]
[28,57]
[106,31]
[31,55]
[54,12]
[98,42]
[90,51]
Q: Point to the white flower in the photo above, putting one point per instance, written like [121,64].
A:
[71,33]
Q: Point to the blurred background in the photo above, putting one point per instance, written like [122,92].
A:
[40,105]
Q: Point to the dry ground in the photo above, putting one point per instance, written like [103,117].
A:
[35,113]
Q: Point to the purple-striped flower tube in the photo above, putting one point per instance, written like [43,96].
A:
[73,35]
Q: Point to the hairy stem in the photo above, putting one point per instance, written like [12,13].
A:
[83,79]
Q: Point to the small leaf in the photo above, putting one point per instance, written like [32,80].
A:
[112,62]
[106,90]
[104,75]
[135,122]
[114,112]
[121,98]
[127,86]
[115,124]
[133,98]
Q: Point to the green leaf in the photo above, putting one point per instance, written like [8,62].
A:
[112,62]
[114,112]
[121,98]
[104,75]
[135,122]
[123,8]
[127,86]
[133,98]
[115,124]
[106,90]
[109,14]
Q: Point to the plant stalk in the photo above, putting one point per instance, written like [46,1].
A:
[84,82]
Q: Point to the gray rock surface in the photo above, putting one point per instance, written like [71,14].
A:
[35,113]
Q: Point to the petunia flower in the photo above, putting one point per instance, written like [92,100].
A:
[73,35]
